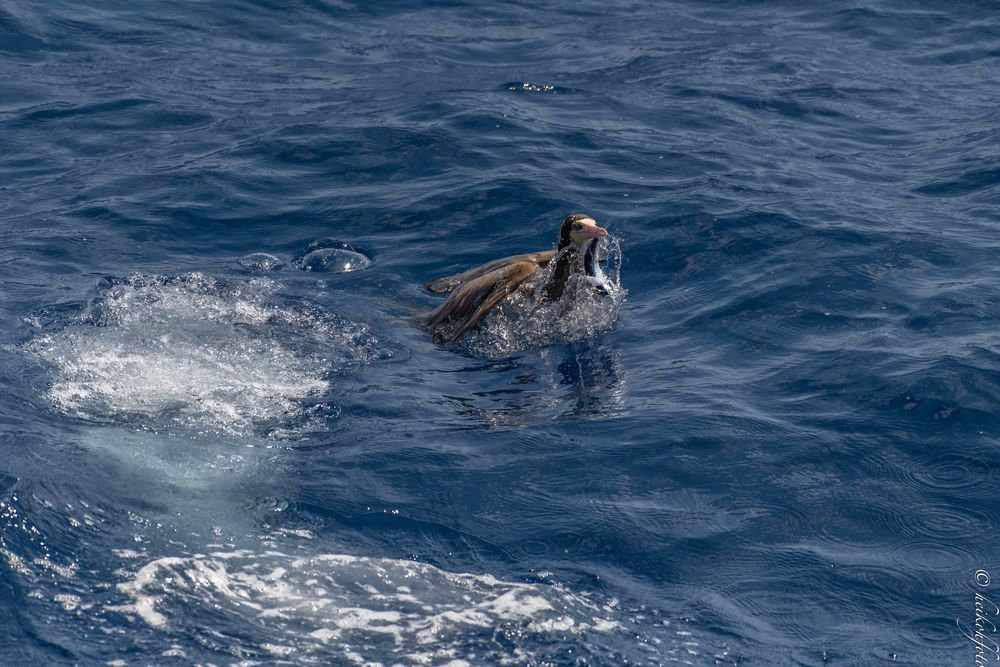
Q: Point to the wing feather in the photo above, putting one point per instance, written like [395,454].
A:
[448,283]
[474,298]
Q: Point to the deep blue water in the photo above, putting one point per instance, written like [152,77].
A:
[784,451]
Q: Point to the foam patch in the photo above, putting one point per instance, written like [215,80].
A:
[195,354]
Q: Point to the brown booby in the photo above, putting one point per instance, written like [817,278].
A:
[477,291]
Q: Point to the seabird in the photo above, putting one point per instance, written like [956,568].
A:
[477,291]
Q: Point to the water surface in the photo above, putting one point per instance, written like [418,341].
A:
[782,451]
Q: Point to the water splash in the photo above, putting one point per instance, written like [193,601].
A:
[196,354]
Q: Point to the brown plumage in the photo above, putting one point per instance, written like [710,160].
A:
[476,292]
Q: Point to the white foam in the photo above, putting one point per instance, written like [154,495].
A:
[191,353]
[381,609]
[70,602]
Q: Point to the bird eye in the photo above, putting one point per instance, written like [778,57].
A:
[576,226]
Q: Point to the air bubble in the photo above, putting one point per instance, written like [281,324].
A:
[331,256]
[261,261]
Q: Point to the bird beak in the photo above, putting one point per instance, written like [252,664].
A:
[589,230]
[592,231]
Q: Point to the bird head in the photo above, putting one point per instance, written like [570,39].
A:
[579,229]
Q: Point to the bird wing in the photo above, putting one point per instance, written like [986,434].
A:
[448,283]
[474,298]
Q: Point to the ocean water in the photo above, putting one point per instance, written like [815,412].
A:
[224,441]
